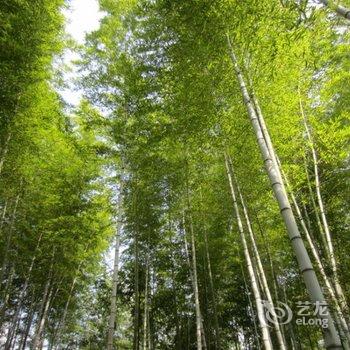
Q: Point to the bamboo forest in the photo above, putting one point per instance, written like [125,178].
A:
[179,178]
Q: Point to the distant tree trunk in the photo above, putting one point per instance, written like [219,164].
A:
[340,10]
[145,316]
[177,339]
[261,271]
[188,334]
[5,150]
[62,323]
[329,247]
[3,215]
[113,308]
[211,285]
[295,344]
[53,295]
[6,295]
[30,317]
[15,320]
[272,267]
[11,334]
[43,315]
[8,240]
[258,301]
[332,340]
[199,322]
[5,147]
[136,341]
[253,316]
[151,330]
[178,345]
[200,334]
[212,292]
[315,210]
[199,325]
[149,341]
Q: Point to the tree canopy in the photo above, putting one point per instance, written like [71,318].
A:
[209,157]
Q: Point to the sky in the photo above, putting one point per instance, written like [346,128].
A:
[82,17]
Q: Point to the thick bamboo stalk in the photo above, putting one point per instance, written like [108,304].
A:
[332,340]
[314,251]
[340,10]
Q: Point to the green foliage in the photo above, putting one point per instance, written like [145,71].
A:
[161,72]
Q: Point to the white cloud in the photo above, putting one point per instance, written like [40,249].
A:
[82,17]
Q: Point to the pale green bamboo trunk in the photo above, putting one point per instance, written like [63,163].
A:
[113,306]
[257,295]
[261,271]
[332,340]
